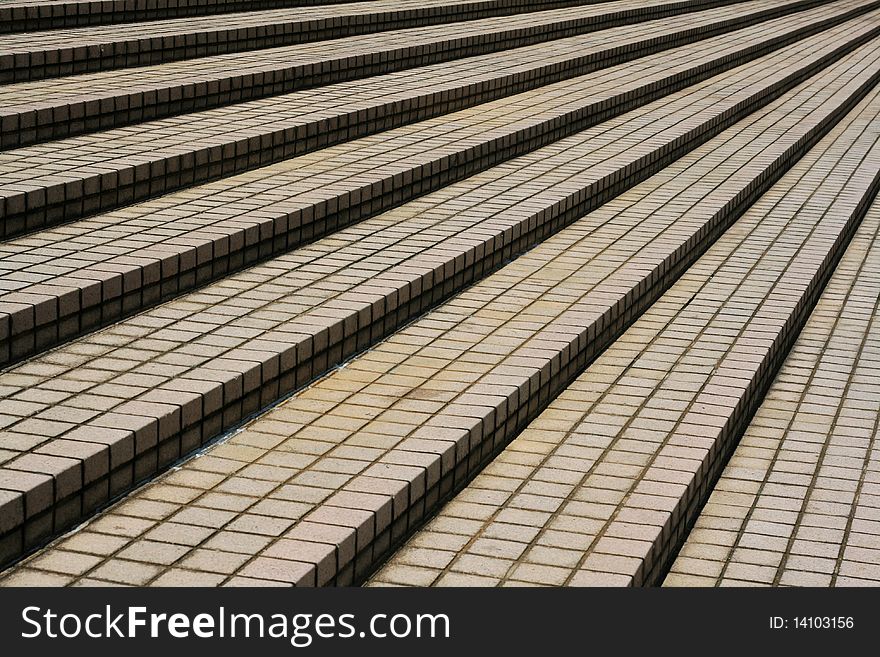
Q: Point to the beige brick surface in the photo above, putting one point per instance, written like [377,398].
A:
[325,482]
[51,109]
[65,52]
[287,279]
[161,384]
[598,490]
[797,504]
[54,182]
[115,264]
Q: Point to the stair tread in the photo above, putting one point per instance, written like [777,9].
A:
[450,292]
[82,49]
[44,109]
[57,274]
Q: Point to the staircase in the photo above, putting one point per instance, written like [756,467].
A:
[482,292]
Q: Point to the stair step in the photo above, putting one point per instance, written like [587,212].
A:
[363,454]
[600,489]
[61,181]
[208,342]
[32,15]
[61,283]
[797,505]
[31,112]
[36,55]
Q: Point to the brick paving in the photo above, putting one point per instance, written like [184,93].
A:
[525,277]
[410,401]
[798,504]
[64,180]
[61,181]
[52,109]
[117,263]
[341,328]
[37,55]
[275,346]
[597,489]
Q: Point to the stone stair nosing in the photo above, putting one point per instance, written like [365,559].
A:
[588,343]
[42,316]
[643,516]
[88,50]
[100,104]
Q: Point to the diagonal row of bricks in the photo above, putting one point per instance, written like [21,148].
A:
[33,15]
[87,287]
[117,167]
[32,56]
[77,470]
[60,181]
[602,487]
[797,504]
[52,109]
